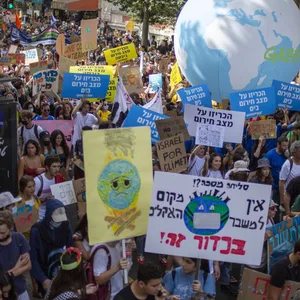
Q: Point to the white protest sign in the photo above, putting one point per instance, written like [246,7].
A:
[31,56]
[210,135]
[46,80]
[64,192]
[232,121]
[207,218]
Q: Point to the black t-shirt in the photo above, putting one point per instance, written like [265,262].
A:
[127,294]
[293,189]
[283,270]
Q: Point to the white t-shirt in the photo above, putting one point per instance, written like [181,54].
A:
[81,121]
[286,174]
[46,191]
[100,266]
[29,134]
[214,174]
[196,165]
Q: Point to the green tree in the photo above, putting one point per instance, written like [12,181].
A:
[151,12]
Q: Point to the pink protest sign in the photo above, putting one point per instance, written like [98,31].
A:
[65,126]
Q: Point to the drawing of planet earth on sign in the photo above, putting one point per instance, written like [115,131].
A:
[206,215]
[234,45]
[119,185]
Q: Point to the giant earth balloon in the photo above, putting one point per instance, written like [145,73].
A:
[235,45]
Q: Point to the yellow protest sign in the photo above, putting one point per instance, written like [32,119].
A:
[175,77]
[112,90]
[118,182]
[129,26]
[120,54]
[101,70]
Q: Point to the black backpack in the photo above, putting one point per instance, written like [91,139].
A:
[35,131]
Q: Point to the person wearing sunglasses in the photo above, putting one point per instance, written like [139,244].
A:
[45,110]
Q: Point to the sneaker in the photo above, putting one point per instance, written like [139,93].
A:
[163,261]
[228,289]
[141,259]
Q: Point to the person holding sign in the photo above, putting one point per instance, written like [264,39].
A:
[213,167]
[197,161]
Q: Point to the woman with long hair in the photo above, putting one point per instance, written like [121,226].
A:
[70,282]
[66,111]
[81,238]
[263,173]
[213,167]
[62,150]
[32,161]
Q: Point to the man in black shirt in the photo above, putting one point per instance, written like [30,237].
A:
[287,268]
[290,195]
[147,286]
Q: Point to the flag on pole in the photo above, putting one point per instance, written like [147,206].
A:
[18,22]
[156,103]
[53,20]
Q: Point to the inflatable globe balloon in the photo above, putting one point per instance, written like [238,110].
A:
[235,45]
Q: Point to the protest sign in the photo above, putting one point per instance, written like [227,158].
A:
[18,58]
[172,155]
[120,54]
[31,56]
[84,85]
[118,182]
[156,82]
[46,81]
[60,45]
[287,95]
[266,128]
[132,79]
[26,215]
[196,95]
[129,25]
[255,286]
[65,64]
[207,218]
[6,60]
[210,135]
[66,126]
[74,51]
[112,90]
[74,37]
[139,116]
[12,49]
[89,34]
[38,66]
[79,189]
[175,77]
[232,121]
[171,127]
[163,66]
[99,70]
[254,103]
[64,192]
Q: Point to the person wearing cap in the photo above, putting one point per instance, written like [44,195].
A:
[263,172]
[7,201]
[239,166]
[48,237]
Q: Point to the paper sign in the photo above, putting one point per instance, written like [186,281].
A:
[60,45]
[65,64]
[232,121]
[99,70]
[171,127]
[172,155]
[38,66]
[112,90]
[74,51]
[287,95]
[6,60]
[254,103]
[25,216]
[266,128]
[139,116]
[132,79]
[182,205]
[156,82]
[45,81]
[12,49]
[163,66]
[84,85]
[175,77]
[79,189]
[255,286]
[89,34]
[210,135]
[197,95]
[118,182]
[120,54]
[31,56]
[18,58]
[66,126]
[64,192]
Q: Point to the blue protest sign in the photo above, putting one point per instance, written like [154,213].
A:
[196,95]
[156,82]
[254,103]
[84,85]
[287,95]
[139,116]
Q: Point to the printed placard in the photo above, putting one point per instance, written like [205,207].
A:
[156,82]
[26,216]
[89,34]
[254,103]
[171,127]
[210,135]
[64,192]
[31,56]
[84,85]
[99,70]
[196,95]
[266,128]
[74,51]
[132,79]
[38,66]
[112,90]
[45,81]
[120,54]
[207,218]
[175,77]
[287,95]
[172,155]
[232,121]
[139,116]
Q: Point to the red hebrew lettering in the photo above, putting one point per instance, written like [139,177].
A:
[216,240]
[172,239]
[240,247]
[228,240]
[181,238]
[263,284]
[206,242]
[200,241]
[162,234]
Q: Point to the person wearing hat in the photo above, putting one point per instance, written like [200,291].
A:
[239,172]
[263,173]
[7,201]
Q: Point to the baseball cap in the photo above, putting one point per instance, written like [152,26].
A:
[272,203]
[59,215]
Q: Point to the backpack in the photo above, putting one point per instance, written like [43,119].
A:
[280,252]
[35,131]
[291,166]
[103,292]
[58,179]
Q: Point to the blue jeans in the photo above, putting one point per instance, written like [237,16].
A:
[225,269]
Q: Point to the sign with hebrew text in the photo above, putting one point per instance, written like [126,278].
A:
[64,192]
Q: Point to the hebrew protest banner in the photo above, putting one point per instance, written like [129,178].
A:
[254,103]
[207,218]
[210,135]
[112,90]
[287,95]
[132,79]
[175,77]
[64,192]
[66,126]
[89,34]
[118,182]
[18,58]
[139,116]
[156,82]
[172,155]
[84,85]
[98,70]
[196,95]
[171,127]
[266,128]
[120,54]
[74,51]
[46,81]
[255,286]
[38,66]
[31,56]
[26,215]
[232,121]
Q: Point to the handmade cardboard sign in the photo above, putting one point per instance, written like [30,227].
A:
[266,128]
